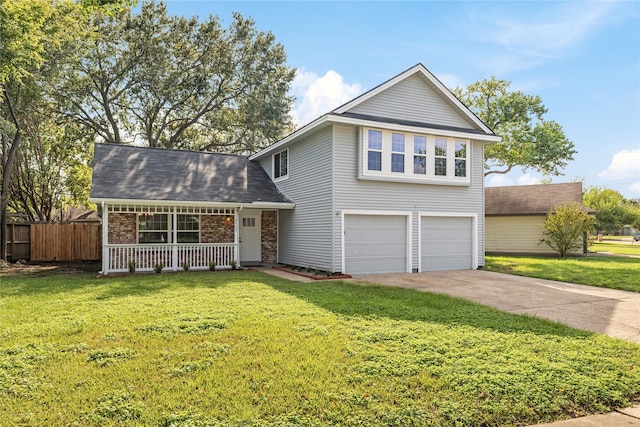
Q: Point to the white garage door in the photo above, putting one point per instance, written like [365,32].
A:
[375,243]
[446,243]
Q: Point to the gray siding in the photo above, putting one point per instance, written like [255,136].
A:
[414,99]
[353,194]
[304,238]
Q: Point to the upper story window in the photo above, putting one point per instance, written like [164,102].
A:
[374,150]
[405,156]
[397,152]
[281,165]
[440,157]
[419,155]
[461,158]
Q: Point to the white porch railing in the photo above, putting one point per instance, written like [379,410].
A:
[172,256]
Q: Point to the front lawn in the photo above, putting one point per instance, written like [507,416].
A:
[623,248]
[604,271]
[246,348]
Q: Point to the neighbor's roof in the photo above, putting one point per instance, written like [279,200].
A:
[531,199]
[123,172]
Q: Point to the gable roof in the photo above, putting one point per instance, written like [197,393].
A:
[342,115]
[530,199]
[128,173]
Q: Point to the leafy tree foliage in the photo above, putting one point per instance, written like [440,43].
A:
[528,140]
[177,82]
[613,210]
[34,34]
[52,172]
[566,228]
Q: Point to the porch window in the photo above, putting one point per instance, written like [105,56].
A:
[281,164]
[188,228]
[153,228]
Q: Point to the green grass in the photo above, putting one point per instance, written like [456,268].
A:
[616,248]
[245,348]
[603,271]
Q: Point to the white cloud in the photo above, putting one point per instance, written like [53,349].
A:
[552,34]
[528,180]
[543,34]
[319,95]
[496,180]
[624,164]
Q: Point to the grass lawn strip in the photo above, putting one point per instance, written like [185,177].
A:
[245,348]
[607,272]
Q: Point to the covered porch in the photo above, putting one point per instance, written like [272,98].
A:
[175,236]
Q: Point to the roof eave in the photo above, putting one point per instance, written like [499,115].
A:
[245,205]
[489,138]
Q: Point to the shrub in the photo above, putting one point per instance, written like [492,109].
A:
[234,265]
[212,266]
[566,228]
[158,267]
[132,266]
[186,266]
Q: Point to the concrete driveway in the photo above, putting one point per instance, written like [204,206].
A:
[606,311]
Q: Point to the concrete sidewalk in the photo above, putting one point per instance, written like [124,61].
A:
[607,311]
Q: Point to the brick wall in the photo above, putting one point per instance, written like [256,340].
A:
[122,228]
[216,229]
[269,237]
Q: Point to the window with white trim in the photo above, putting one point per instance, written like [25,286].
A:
[461,159]
[397,152]
[188,229]
[153,228]
[157,228]
[281,165]
[419,155]
[407,156]
[374,150]
[440,157]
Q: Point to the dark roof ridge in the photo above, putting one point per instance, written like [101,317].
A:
[180,150]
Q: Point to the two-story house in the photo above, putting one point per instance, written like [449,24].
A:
[391,181]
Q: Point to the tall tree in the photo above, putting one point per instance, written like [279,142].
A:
[612,210]
[178,82]
[528,140]
[32,33]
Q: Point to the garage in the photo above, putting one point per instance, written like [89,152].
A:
[375,243]
[446,243]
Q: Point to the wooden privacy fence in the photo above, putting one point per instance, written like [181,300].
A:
[18,241]
[66,242]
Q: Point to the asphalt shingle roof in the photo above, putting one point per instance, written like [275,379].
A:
[530,199]
[140,173]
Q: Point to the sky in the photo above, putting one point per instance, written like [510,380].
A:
[581,57]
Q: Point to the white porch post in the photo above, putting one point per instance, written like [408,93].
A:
[236,236]
[105,239]
[174,241]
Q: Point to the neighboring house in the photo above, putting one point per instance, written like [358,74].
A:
[391,181]
[515,215]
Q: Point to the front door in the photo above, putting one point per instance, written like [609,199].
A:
[250,237]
